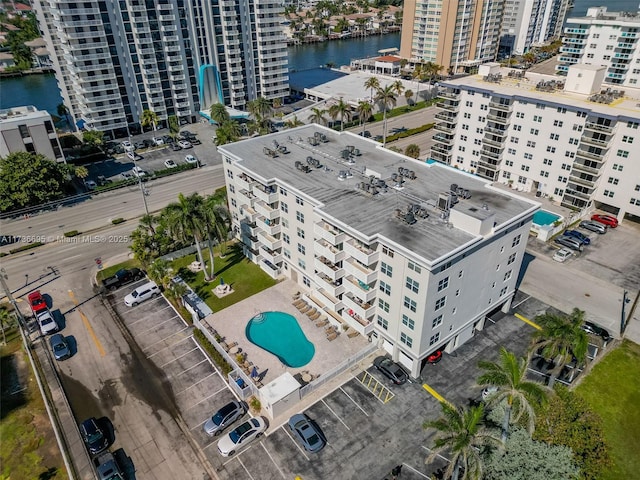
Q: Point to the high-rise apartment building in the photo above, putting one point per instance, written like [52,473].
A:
[411,254]
[567,139]
[113,60]
[27,129]
[456,34]
[527,23]
[607,39]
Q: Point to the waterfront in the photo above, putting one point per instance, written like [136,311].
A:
[40,90]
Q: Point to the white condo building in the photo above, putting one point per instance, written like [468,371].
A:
[113,60]
[606,39]
[413,255]
[27,129]
[528,23]
[567,139]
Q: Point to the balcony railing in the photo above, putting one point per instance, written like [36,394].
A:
[266,210]
[359,271]
[598,127]
[331,270]
[268,194]
[330,233]
[583,168]
[365,255]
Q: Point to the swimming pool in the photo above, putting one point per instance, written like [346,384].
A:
[542,217]
[279,333]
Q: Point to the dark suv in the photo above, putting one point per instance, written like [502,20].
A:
[93,436]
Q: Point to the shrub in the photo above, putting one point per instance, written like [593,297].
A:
[26,247]
[116,221]
[208,347]
[72,233]
[255,404]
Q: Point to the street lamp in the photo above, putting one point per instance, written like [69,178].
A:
[135,168]
[623,324]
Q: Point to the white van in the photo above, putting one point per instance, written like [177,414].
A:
[142,293]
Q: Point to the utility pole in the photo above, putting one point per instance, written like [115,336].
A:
[143,191]
[7,292]
[625,300]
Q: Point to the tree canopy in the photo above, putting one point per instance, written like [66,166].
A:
[29,179]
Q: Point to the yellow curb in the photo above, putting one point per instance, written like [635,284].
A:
[435,394]
[87,325]
[526,320]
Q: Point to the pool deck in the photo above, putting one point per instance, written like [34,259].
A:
[232,321]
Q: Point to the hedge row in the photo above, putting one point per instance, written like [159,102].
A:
[26,247]
[213,353]
[411,131]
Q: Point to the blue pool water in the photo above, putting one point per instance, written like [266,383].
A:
[542,217]
[279,333]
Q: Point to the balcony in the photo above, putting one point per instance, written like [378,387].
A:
[446,116]
[447,106]
[251,240]
[576,194]
[170,38]
[266,210]
[598,127]
[594,141]
[443,138]
[330,233]
[334,288]
[500,106]
[168,28]
[440,157]
[360,272]
[322,265]
[325,249]
[364,310]
[444,149]
[592,155]
[272,270]
[249,213]
[268,194]
[443,127]
[268,241]
[167,18]
[244,182]
[245,196]
[270,227]
[491,154]
[273,256]
[491,140]
[355,321]
[448,94]
[173,48]
[575,178]
[359,289]
[249,229]
[360,252]
[496,131]
[583,168]
[501,119]
[177,78]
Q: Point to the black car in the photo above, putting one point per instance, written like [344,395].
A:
[391,369]
[596,330]
[175,147]
[306,432]
[93,436]
[195,141]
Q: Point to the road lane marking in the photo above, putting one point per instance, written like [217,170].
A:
[286,430]
[354,402]
[435,394]
[178,358]
[335,414]
[274,462]
[87,325]
[526,320]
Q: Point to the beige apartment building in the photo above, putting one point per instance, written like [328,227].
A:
[27,129]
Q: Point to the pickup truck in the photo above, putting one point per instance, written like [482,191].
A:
[122,277]
[108,468]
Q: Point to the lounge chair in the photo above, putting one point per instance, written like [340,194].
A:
[352,334]
[298,303]
[332,336]
[322,323]
[315,316]
[301,305]
[305,309]
[311,312]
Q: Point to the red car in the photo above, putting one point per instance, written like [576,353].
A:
[36,302]
[606,220]
[435,357]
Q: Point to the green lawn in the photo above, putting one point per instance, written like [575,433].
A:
[612,390]
[111,269]
[245,277]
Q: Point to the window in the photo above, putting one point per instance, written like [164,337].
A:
[608,193]
[617,167]
[507,275]
[286,253]
[300,216]
[301,249]
[442,284]
[436,322]
[284,207]
[408,322]
[516,240]
[562,179]
[286,238]
[386,269]
[285,223]
[622,153]
[441,303]
[302,264]
[306,281]
[519,114]
[554,136]
[565,166]
[387,251]
[412,285]
[558,191]
[49,127]
[410,304]
[544,174]
[503,291]
[551,149]
[517,128]
[534,131]
[405,339]
[557,123]
[383,322]
[299,201]
[531,143]
[233,202]
[460,273]
[512,258]
[283,192]
[528,156]
[24,131]
[633,125]
[509,163]
[514,139]
[627,139]
[613,181]
[445,266]
[300,232]
[385,288]
[383,305]
[434,338]
[414,267]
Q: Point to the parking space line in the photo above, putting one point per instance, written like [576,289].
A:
[194,384]
[416,471]
[168,346]
[238,456]
[274,462]
[146,317]
[245,469]
[437,454]
[354,402]
[520,303]
[156,325]
[206,398]
[87,325]
[335,414]
[187,369]
[435,394]
[285,430]
[178,358]
[526,320]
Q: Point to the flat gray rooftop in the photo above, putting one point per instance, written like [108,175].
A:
[366,215]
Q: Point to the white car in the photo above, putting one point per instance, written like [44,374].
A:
[138,172]
[47,323]
[141,294]
[562,255]
[157,141]
[191,159]
[242,435]
[91,185]
[127,146]
[185,144]
[170,164]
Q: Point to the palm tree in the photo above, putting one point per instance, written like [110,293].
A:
[412,151]
[509,375]
[260,108]
[364,109]
[341,109]
[561,339]
[174,126]
[408,94]
[216,217]
[218,113]
[63,111]
[159,272]
[82,173]
[149,117]
[294,122]
[317,116]
[147,222]
[372,83]
[398,87]
[461,432]
[227,132]
[185,221]
[386,97]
